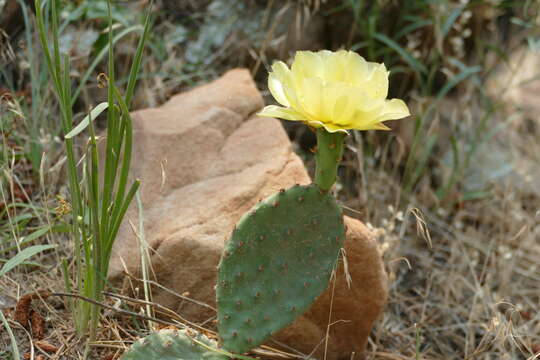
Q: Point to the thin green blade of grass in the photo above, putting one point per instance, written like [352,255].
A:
[114,136]
[134,71]
[35,145]
[457,79]
[99,57]
[28,238]
[98,271]
[14,347]
[405,55]
[418,341]
[22,256]
[93,191]
[127,127]
[409,163]
[44,44]
[450,20]
[18,218]
[59,81]
[56,43]
[145,259]
[443,191]
[476,195]
[94,113]
[422,162]
[412,27]
[116,225]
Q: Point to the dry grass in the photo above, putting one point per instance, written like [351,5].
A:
[473,295]
[472,289]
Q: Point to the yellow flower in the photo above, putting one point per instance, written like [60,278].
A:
[335,90]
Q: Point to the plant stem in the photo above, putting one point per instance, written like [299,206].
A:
[328,157]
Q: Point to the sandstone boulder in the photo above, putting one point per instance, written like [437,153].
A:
[204,159]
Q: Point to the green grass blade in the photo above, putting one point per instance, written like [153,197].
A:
[407,57]
[14,347]
[113,137]
[124,172]
[44,44]
[442,192]
[118,220]
[412,27]
[134,71]
[94,113]
[56,44]
[450,20]
[457,79]
[99,57]
[36,234]
[23,256]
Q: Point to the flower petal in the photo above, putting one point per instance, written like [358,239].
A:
[307,64]
[276,88]
[380,126]
[394,109]
[274,111]
[329,127]
[357,69]
[281,72]
[311,91]
[335,90]
[334,67]
[376,85]
[365,120]
[288,86]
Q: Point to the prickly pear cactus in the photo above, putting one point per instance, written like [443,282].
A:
[173,345]
[278,260]
[282,253]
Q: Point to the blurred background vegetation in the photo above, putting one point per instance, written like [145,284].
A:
[463,171]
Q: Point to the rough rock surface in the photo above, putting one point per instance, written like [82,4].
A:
[515,160]
[517,81]
[204,159]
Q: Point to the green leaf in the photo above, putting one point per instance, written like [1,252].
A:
[23,256]
[451,20]
[98,58]
[465,73]
[412,27]
[36,234]
[94,113]
[407,57]
[15,349]
[29,238]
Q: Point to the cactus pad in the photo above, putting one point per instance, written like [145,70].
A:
[278,261]
[173,345]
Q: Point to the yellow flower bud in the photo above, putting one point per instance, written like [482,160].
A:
[335,90]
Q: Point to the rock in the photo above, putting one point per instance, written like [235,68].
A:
[516,82]
[511,157]
[204,159]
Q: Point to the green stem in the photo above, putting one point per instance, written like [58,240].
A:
[328,157]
